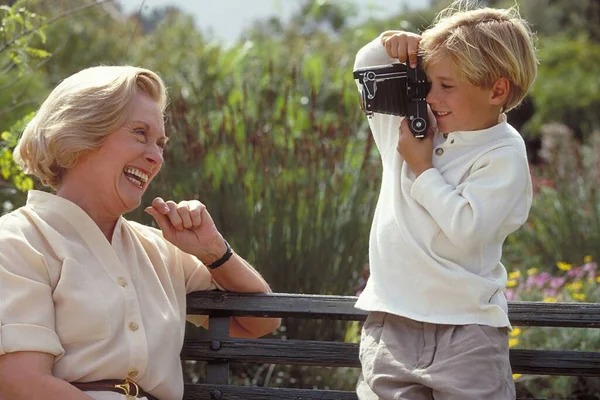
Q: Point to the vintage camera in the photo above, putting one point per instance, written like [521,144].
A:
[396,89]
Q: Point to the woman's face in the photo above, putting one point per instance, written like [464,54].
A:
[119,172]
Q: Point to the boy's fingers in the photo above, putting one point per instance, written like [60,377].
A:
[401,51]
[413,47]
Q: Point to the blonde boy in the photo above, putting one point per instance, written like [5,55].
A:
[437,325]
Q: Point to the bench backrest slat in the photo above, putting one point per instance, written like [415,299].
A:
[576,315]
[339,354]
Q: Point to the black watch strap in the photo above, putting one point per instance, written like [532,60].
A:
[224,259]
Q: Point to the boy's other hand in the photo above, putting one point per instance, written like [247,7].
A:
[401,45]
[417,153]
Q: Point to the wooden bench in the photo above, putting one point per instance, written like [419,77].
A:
[218,349]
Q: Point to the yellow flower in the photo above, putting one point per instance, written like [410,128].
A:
[532,271]
[514,275]
[598,279]
[587,259]
[575,286]
[512,342]
[511,283]
[515,332]
[563,266]
[550,300]
[578,296]
[516,376]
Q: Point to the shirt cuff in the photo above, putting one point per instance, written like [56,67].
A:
[22,337]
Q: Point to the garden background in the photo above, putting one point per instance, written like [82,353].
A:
[268,133]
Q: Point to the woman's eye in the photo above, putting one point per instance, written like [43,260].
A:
[446,86]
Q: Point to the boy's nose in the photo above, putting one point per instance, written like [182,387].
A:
[430,98]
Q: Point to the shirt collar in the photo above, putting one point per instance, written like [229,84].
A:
[481,136]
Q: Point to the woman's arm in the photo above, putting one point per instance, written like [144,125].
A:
[28,375]
[237,275]
[189,226]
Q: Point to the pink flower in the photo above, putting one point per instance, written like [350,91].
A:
[510,294]
[557,282]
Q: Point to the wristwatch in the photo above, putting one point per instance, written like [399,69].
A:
[222,260]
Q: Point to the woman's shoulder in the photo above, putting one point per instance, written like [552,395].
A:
[15,222]
[148,234]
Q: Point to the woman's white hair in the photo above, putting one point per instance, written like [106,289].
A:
[79,114]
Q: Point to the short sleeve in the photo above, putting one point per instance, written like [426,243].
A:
[26,305]
[197,276]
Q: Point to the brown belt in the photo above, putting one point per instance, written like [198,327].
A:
[127,387]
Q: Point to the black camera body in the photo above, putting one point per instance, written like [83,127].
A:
[396,89]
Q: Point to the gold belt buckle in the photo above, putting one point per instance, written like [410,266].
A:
[126,389]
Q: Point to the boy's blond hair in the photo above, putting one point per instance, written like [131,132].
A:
[484,44]
[78,116]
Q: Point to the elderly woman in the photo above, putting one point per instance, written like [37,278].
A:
[93,305]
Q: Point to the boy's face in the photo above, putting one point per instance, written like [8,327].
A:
[458,105]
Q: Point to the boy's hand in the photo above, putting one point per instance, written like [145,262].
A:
[402,45]
[418,153]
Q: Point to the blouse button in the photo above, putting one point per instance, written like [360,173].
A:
[132,373]
[439,151]
[122,282]
[133,326]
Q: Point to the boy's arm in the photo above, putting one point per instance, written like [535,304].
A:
[491,203]
[373,53]
[383,127]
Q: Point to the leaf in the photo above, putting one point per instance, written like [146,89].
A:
[38,53]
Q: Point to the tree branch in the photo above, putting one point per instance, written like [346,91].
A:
[51,21]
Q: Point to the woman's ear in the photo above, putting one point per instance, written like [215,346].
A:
[500,91]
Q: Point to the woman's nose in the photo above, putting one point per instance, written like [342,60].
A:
[155,155]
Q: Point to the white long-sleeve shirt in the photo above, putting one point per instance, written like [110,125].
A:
[436,240]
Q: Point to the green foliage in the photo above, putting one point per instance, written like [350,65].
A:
[567,88]
[19,27]
[8,169]
[20,34]
[564,222]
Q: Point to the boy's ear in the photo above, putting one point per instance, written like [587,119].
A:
[500,91]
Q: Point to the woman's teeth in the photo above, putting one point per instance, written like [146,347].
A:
[135,176]
[441,113]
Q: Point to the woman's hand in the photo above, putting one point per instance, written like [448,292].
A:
[189,226]
[401,45]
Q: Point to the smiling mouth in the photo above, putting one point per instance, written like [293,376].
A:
[441,113]
[136,176]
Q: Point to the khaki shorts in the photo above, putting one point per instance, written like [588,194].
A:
[403,359]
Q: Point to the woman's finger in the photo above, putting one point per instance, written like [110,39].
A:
[183,209]
[196,209]
[174,216]
[159,204]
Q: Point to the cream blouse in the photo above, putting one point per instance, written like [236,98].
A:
[105,311]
